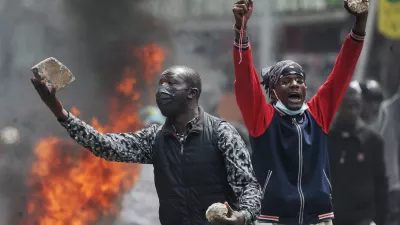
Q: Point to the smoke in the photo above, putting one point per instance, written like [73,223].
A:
[193,50]
[91,37]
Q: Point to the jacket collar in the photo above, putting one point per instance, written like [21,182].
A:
[299,117]
[195,125]
[359,127]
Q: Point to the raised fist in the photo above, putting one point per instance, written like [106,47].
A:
[242,8]
[357,7]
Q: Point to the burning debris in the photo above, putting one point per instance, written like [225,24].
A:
[108,46]
[69,185]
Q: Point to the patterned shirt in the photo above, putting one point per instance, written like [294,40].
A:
[183,135]
[137,147]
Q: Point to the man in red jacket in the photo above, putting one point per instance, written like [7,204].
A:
[289,136]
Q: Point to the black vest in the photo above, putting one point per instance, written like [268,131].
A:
[189,178]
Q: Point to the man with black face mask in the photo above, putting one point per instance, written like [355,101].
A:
[198,159]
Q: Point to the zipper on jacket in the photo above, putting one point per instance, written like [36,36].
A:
[181,145]
[327,179]
[266,183]
[300,174]
[342,157]
[183,142]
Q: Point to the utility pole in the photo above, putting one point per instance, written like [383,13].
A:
[369,39]
[267,25]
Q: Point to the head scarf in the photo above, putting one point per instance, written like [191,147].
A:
[272,74]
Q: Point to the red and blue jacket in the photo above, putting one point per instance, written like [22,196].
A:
[290,156]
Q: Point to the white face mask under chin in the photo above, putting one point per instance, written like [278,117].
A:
[287,111]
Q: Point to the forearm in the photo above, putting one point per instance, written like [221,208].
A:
[250,202]
[55,106]
[60,115]
[121,147]
[238,31]
[360,24]
[240,172]
[256,112]
[324,104]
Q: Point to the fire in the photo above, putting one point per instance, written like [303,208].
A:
[71,186]
[75,111]
[152,57]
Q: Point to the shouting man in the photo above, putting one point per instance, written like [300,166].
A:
[198,159]
[289,136]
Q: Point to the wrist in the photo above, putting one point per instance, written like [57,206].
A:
[246,216]
[61,115]
[238,26]
[359,31]
[362,17]
[360,24]
[244,41]
[54,105]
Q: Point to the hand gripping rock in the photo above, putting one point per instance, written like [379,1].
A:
[55,74]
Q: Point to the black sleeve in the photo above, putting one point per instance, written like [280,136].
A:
[381,182]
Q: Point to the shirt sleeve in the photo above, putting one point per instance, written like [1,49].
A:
[133,147]
[324,104]
[240,171]
[256,111]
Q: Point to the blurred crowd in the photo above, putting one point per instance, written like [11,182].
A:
[363,157]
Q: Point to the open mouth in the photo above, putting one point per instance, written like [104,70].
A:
[294,97]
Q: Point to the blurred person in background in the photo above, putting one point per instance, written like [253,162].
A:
[359,184]
[389,127]
[198,159]
[372,97]
[151,115]
[289,135]
[375,114]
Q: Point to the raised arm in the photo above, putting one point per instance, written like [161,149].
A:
[324,104]
[257,113]
[121,147]
[240,171]
[125,147]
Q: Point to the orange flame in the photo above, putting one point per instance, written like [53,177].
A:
[75,111]
[71,186]
[151,57]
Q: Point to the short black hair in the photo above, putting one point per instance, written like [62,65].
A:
[190,76]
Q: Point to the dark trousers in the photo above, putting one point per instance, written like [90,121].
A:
[394,208]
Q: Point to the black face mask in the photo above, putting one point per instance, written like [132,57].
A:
[171,101]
